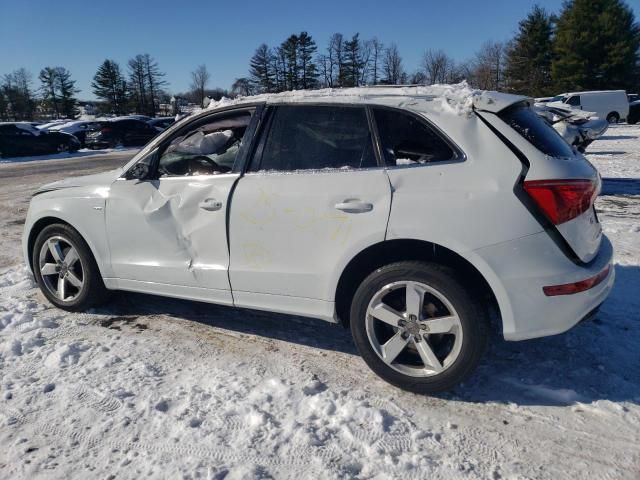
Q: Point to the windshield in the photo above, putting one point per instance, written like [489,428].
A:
[558,98]
[538,132]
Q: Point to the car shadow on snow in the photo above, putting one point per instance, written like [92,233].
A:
[620,186]
[617,137]
[596,360]
[607,152]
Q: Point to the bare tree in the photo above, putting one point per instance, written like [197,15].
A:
[392,66]
[199,79]
[377,49]
[241,86]
[436,65]
[488,66]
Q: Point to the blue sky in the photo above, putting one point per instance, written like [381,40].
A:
[79,35]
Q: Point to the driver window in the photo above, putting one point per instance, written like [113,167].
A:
[405,140]
[208,148]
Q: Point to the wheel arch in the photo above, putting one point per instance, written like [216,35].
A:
[390,251]
[43,223]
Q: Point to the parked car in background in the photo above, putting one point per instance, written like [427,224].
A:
[161,123]
[612,105]
[577,127]
[415,216]
[633,97]
[125,132]
[79,129]
[144,118]
[634,112]
[52,123]
[18,139]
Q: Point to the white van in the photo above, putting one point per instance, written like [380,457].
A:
[610,104]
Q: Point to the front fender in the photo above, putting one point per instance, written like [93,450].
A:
[85,213]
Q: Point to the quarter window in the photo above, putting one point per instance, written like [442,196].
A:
[539,133]
[406,140]
[316,137]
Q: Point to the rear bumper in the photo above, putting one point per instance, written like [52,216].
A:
[526,265]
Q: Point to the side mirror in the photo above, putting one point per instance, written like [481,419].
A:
[138,172]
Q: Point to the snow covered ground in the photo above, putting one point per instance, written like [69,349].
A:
[169,389]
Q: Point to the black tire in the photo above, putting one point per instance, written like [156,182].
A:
[93,291]
[613,117]
[474,320]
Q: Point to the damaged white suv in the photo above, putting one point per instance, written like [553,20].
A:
[415,215]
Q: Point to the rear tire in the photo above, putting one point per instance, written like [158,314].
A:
[613,117]
[433,333]
[65,269]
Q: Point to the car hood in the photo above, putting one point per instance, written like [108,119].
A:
[98,180]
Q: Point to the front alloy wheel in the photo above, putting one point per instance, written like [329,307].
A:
[61,268]
[66,270]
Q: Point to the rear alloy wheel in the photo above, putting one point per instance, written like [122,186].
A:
[62,147]
[417,328]
[613,117]
[65,269]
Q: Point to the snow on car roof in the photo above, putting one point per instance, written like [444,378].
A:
[457,99]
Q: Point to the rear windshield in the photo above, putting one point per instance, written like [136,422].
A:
[538,132]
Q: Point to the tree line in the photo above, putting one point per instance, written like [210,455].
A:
[591,44]
[140,89]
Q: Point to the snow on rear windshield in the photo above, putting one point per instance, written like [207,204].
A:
[538,132]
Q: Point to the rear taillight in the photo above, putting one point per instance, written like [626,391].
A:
[562,200]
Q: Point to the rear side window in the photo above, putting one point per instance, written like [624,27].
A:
[538,132]
[316,137]
[406,140]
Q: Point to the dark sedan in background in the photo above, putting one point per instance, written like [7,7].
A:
[19,139]
[125,132]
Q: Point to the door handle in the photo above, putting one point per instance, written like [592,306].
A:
[210,204]
[353,205]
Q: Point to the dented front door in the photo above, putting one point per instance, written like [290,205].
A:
[172,231]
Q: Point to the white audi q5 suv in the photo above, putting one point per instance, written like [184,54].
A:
[420,217]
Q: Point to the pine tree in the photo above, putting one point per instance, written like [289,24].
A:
[145,84]
[154,78]
[596,46]
[137,85]
[261,72]
[353,63]
[109,84]
[308,77]
[66,90]
[528,68]
[288,51]
[49,89]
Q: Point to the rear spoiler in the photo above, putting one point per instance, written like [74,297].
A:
[494,102]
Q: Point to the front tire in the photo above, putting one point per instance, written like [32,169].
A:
[65,269]
[417,327]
